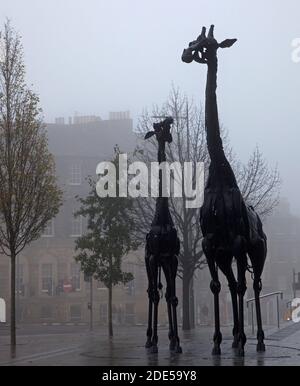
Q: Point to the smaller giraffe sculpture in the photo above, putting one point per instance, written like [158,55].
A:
[230,228]
[162,249]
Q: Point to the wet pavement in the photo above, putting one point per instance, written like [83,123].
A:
[76,346]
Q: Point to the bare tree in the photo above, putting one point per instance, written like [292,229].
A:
[29,196]
[258,183]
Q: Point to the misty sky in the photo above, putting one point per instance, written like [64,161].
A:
[96,56]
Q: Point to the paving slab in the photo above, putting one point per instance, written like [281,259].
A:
[76,346]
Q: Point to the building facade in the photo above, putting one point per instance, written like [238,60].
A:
[50,285]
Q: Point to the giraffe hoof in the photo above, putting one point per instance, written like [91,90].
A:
[235,343]
[178,350]
[154,350]
[241,351]
[172,345]
[216,350]
[260,347]
[148,344]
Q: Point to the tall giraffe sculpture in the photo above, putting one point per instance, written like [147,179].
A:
[162,249]
[230,228]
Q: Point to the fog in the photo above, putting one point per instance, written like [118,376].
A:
[95,56]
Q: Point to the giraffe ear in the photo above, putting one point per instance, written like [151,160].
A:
[227,43]
[149,134]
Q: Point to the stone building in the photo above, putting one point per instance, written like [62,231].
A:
[50,285]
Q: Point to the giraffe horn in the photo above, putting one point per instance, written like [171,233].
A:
[203,34]
[211,32]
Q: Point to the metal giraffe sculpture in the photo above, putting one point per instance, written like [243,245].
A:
[230,228]
[162,249]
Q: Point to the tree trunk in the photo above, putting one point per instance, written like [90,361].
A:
[192,303]
[110,325]
[91,303]
[186,301]
[13,301]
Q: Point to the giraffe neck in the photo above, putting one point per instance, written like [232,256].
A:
[214,141]
[162,215]
[221,173]
[161,157]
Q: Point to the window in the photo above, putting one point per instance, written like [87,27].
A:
[62,271]
[47,278]
[75,312]
[49,230]
[75,178]
[75,276]
[76,226]
[61,277]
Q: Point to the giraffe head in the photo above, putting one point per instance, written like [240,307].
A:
[204,48]
[162,130]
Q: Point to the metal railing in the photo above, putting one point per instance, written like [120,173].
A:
[277,293]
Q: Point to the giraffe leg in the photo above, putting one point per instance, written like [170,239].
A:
[232,283]
[257,286]
[149,329]
[215,287]
[241,259]
[225,266]
[257,257]
[169,306]
[174,301]
[170,318]
[150,305]
[155,298]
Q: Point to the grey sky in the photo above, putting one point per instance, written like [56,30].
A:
[96,56]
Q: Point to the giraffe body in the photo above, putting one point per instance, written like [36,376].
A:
[230,228]
[162,249]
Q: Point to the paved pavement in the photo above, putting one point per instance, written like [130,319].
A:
[76,346]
